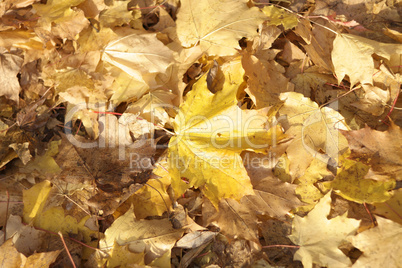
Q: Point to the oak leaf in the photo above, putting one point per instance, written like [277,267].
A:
[217,26]
[319,238]
[380,245]
[210,135]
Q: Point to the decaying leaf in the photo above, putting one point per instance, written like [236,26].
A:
[352,183]
[379,149]
[319,238]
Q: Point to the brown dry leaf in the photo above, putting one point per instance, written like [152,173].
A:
[236,220]
[266,81]
[217,26]
[10,66]
[118,171]
[173,79]
[374,101]
[378,149]
[380,245]
[273,197]
[319,43]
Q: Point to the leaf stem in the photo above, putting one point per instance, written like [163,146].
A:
[65,246]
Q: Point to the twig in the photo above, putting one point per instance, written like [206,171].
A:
[368,211]
[281,246]
[5,223]
[65,246]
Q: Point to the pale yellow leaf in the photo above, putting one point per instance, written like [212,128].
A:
[217,25]
[138,55]
[352,56]
[319,238]
[381,245]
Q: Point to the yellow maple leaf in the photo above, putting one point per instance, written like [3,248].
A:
[380,245]
[352,56]
[351,184]
[153,238]
[278,16]
[217,26]
[142,56]
[319,238]
[60,18]
[313,129]
[211,132]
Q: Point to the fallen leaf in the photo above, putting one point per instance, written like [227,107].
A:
[10,257]
[313,129]
[265,82]
[319,238]
[392,208]
[217,26]
[10,66]
[351,184]
[278,16]
[210,134]
[59,18]
[138,55]
[152,237]
[352,56]
[380,245]
[377,149]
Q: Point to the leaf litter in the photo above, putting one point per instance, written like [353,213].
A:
[199,133]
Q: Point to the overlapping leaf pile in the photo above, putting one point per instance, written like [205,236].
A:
[261,118]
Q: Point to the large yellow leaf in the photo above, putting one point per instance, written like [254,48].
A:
[352,56]
[139,55]
[319,238]
[211,131]
[217,25]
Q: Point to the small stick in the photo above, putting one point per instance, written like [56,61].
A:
[281,246]
[65,246]
[368,211]
[5,223]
